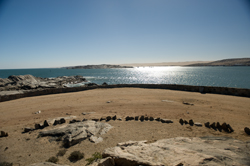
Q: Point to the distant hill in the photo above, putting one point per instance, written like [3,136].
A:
[226,62]
[103,66]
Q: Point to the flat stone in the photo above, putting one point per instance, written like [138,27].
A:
[95,139]
[198,124]
[181,151]
[86,113]
[46,164]
[74,133]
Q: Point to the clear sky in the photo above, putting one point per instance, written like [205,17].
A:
[56,33]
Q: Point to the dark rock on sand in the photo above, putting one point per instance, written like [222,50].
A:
[181,121]
[4,134]
[27,129]
[151,118]
[191,122]
[185,122]
[218,126]
[56,122]
[45,123]
[142,118]
[207,124]
[114,117]
[146,118]
[247,130]
[108,118]
[213,126]
[230,128]
[102,118]
[62,120]
[136,118]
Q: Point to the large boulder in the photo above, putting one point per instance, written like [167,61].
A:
[181,151]
[74,133]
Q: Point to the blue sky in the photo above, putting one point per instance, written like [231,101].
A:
[56,33]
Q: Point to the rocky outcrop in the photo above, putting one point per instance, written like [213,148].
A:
[179,151]
[74,133]
[46,164]
[29,82]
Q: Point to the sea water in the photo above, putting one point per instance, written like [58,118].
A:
[238,77]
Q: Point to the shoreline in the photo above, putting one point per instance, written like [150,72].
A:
[190,88]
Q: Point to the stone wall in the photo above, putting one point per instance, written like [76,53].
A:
[201,89]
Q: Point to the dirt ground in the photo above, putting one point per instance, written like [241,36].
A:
[26,148]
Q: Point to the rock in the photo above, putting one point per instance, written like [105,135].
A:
[86,113]
[129,118]
[38,112]
[56,122]
[62,120]
[181,121]
[166,121]
[181,151]
[84,119]
[224,127]
[74,133]
[45,123]
[146,118]
[46,164]
[136,118]
[247,130]
[95,119]
[207,124]
[29,82]
[73,121]
[104,84]
[142,118]
[108,118]
[114,117]
[158,119]
[151,118]
[27,129]
[198,124]
[230,128]
[213,126]
[4,134]
[191,122]
[95,139]
[185,122]
[104,162]
[218,126]
[102,118]
[108,101]
[187,103]
[38,126]
[120,119]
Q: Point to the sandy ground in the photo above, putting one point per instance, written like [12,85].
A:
[164,63]
[25,149]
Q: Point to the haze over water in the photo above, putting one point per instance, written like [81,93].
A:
[238,77]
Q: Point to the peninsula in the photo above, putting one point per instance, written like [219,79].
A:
[102,66]
[226,62]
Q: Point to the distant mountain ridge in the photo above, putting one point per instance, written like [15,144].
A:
[226,62]
[103,66]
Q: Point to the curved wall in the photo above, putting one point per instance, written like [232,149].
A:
[201,89]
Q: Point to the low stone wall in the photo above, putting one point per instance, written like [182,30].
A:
[201,89]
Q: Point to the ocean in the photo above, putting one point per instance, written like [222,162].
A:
[238,77]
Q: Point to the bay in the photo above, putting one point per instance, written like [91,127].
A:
[238,77]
